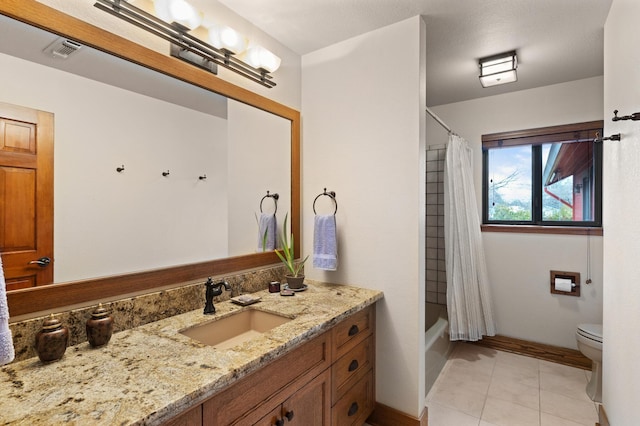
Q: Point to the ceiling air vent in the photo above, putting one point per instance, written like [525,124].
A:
[62,48]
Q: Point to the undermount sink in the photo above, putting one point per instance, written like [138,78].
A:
[237,328]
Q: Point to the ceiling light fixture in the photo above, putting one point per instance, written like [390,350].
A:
[498,69]
[226,48]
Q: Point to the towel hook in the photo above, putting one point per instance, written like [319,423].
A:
[275,201]
[635,116]
[615,137]
[330,194]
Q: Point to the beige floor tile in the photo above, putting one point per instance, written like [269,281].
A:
[473,380]
[559,369]
[568,408]
[505,413]
[508,390]
[459,398]
[439,415]
[516,360]
[526,377]
[547,419]
[474,353]
[570,386]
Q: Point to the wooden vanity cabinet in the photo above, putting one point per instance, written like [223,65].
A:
[327,381]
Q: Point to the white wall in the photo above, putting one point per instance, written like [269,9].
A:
[621,388]
[519,264]
[363,132]
[106,222]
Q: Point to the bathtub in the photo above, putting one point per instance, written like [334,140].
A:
[438,347]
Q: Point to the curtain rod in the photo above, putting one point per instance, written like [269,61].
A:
[439,120]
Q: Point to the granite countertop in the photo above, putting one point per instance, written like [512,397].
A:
[149,374]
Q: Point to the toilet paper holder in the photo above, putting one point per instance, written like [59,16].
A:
[559,280]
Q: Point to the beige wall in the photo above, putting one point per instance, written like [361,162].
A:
[363,138]
[621,387]
[519,264]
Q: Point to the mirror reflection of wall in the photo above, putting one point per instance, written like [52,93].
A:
[108,223]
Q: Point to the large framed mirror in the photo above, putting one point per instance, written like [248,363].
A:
[117,232]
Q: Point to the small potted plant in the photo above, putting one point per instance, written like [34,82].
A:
[294,279]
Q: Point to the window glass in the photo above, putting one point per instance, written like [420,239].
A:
[549,176]
[509,183]
[567,181]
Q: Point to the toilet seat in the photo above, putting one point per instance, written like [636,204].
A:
[591,331]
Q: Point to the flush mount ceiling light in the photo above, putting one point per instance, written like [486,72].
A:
[174,21]
[498,69]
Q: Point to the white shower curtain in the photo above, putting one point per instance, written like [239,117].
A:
[468,296]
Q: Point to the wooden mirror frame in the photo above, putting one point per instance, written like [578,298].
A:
[36,299]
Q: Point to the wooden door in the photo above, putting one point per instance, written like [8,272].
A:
[26,196]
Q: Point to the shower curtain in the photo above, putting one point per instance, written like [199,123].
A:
[468,296]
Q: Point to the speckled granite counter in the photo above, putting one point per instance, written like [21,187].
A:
[150,373]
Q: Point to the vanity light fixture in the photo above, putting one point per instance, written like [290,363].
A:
[498,69]
[226,48]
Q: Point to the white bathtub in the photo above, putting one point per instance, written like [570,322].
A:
[437,343]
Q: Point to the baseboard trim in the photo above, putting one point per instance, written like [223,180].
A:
[603,420]
[386,416]
[557,354]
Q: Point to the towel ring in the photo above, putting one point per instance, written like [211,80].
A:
[275,201]
[330,194]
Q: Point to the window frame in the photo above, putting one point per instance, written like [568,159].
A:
[587,131]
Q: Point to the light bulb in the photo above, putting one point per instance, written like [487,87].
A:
[178,11]
[224,37]
[259,57]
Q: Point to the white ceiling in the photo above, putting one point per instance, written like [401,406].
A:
[556,40]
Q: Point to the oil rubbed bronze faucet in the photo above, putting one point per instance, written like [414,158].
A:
[212,291]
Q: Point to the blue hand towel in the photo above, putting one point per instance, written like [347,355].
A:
[7,353]
[325,243]
[268,223]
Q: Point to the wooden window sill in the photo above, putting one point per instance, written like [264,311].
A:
[536,229]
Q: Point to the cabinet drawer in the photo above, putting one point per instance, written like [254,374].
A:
[351,367]
[352,331]
[357,403]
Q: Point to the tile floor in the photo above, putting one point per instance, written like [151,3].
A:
[484,387]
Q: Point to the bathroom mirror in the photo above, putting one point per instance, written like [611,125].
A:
[213,188]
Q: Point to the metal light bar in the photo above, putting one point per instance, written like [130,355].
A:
[184,45]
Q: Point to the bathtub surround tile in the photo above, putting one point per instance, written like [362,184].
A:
[522,391]
[435,220]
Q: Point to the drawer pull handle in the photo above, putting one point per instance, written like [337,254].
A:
[353,409]
[354,365]
[279,422]
[289,415]
[354,330]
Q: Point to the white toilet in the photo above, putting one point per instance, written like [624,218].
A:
[589,337]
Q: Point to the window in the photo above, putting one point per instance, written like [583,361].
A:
[550,176]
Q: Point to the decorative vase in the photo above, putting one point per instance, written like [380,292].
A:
[295,283]
[99,327]
[52,340]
